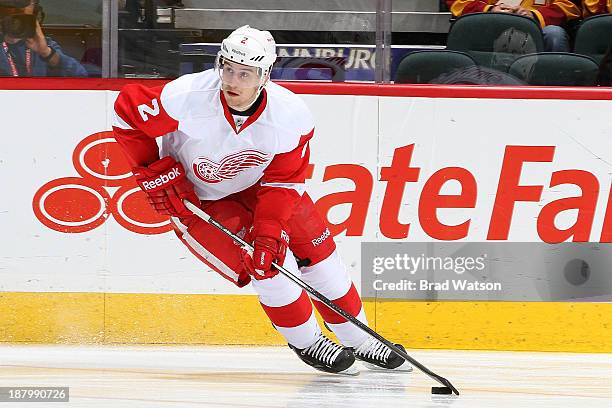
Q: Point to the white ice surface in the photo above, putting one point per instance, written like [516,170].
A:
[206,376]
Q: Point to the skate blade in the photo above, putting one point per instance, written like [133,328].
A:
[351,371]
[404,368]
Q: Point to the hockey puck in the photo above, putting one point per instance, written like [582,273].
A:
[441,390]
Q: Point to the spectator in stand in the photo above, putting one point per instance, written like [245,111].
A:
[24,48]
[594,7]
[551,15]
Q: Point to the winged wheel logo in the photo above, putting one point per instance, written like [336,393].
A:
[229,167]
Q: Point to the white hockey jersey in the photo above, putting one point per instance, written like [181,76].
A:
[199,131]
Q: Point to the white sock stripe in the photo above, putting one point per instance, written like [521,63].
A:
[279,290]
[348,334]
[302,336]
[329,276]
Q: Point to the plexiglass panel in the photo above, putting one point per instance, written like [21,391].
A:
[324,40]
[485,42]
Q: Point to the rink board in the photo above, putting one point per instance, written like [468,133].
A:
[233,319]
[80,245]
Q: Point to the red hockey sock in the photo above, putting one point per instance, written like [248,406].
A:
[351,302]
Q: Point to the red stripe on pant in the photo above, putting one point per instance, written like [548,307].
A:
[291,315]
[350,302]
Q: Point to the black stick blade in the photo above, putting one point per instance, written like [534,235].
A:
[441,390]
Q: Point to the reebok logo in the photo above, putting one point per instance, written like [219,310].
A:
[318,241]
[162,179]
[235,51]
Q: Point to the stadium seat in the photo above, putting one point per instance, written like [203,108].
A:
[594,36]
[421,67]
[495,40]
[555,69]
[314,69]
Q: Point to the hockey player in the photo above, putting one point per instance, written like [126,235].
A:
[237,145]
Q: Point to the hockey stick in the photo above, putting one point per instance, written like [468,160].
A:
[245,245]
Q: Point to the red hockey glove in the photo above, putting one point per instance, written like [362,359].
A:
[166,185]
[270,245]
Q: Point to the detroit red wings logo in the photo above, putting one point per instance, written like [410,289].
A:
[228,167]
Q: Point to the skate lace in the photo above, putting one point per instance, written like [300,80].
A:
[323,350]
[374,349]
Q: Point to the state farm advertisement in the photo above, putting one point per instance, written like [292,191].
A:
[384,169]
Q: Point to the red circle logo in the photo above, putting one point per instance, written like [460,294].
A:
[99,157]
[132,211]
[79,204]
[71,204]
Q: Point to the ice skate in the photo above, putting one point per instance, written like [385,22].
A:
[327,356]
[376,356]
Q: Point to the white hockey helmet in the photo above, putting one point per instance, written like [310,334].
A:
[250,46]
